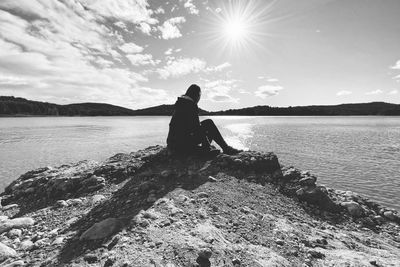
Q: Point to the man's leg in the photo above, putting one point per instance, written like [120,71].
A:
[212,133]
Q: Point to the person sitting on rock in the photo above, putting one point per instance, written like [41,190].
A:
[186,132]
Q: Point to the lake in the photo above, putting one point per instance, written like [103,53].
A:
[360,154]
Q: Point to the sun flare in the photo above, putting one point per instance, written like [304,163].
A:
[236,25]
[234,29]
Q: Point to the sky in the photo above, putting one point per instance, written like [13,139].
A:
[142,53]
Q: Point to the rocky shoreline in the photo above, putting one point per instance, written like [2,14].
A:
[150,208]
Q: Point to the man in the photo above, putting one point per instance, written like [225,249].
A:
[186,132]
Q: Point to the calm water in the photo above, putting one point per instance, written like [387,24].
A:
[349,153]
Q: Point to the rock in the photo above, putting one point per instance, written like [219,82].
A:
[279,242]
[291,174]
[26,245]
[150,215]
[13,233]
[316,254]
[18,263]
[97,199]
[72,220]
[236,262]
[317,196]
[390,215]
[309,180]
[205,253]
[74,202]
[58,241]
[61,204]
[15,223]
[102,229]
[90,258]
[11,206]
[212,179]
[202,195]
[353,208]
[3,218]
[6,252]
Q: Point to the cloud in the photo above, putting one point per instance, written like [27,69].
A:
[181,67]
[141,59]
[272,80]
[131,48]
[144,28]
[343,93]
[375,92]
[219,67]
[393,92]
[191,7]
[135,11]
[170,28]
[396,65]
[69,51]
[220,90]
[268,90]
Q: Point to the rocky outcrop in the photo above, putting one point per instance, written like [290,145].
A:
[151,207]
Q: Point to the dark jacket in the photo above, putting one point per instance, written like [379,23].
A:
[184,128]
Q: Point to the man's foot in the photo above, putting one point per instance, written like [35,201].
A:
[210,151]
[231,150]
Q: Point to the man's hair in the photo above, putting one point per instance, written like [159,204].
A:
[193,92]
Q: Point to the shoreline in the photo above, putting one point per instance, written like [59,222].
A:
[149,202]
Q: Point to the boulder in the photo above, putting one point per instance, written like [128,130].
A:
[6,252]
[15,223]
[317,196]
[102,229]
[353,208]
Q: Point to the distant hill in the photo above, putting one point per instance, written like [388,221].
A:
[373,108]
[161,110]
[17,106]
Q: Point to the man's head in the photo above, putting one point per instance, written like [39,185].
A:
[194,92]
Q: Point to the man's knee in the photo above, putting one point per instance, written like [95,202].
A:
[208,122]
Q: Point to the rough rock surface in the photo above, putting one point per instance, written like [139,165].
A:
[150,208]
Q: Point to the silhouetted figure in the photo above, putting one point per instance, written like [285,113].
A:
[186,133]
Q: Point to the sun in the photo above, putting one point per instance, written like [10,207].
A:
[234,29]
[236,25]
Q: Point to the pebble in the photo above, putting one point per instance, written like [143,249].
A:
[6,252]
[61,204]
[279,242]
[212,179]
[13,233]
[202,195]
[97,198]
[26,245]
[91,258]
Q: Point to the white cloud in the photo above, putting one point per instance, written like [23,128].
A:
[396,65]
[268,90]
[168,52]
[145,28]
[393,92]
[191,7]
[272,80]
[135,11]
[66,51]
[219,67]
[344,92]
[181,67]
[131,48]
[220,90]
[375,92]
[141,59]
[170,28]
